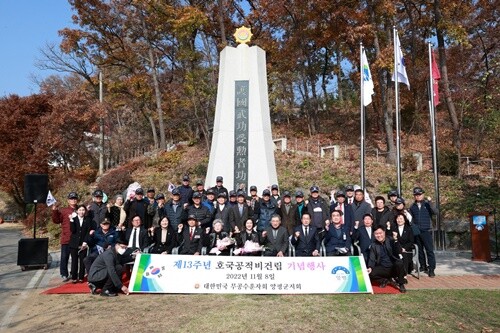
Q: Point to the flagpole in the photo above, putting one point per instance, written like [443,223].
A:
[396,94]
[432,115]
[362,113]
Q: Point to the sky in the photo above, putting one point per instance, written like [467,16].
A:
[25,27]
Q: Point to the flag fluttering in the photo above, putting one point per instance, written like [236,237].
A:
[50,199]
[367,81]
[436,76]
[400,67]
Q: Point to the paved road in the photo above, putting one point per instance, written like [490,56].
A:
[14,283]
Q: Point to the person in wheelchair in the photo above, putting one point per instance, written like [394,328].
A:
[337,238]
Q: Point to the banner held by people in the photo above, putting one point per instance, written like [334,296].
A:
[154,273]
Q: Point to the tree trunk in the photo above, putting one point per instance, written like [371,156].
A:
[153,131]
[220,16]
[445,82]
[386,96]
[340,95]
[159,110]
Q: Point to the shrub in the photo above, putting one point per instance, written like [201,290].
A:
[115,181]
[448,162]
[409,163]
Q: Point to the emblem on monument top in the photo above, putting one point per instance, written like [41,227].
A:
[243,35]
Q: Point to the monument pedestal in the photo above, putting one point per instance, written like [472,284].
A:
[242,149]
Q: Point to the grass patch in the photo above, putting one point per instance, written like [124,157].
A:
[415,311]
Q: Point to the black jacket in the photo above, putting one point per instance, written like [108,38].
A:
[167,246]
[80,234]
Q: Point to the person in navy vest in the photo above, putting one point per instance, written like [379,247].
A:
[422,211]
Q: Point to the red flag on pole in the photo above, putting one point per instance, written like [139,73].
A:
[435,78]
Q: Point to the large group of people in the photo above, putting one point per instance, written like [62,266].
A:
[102,237]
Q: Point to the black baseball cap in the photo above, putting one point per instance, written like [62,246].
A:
[219,179]
[210,191]
[221,194]
[241,194]
[139,191]
[266,192]
[253,188]
[399,200]
[185,178]
[176,191]
[287,194]
[314,189]
[160,196]
[151,190]
[199,182]
[192,217]
[299,194]
[196,195]
[98,193]
[418,190]
[349,188]
[274,187]
[72,195]
[339,193]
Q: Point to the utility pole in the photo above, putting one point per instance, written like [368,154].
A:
[101,130]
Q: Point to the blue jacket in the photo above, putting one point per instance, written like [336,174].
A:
[102,240]
[264,211]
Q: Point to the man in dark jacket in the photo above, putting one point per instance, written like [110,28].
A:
[185,191]
[384,261]
[301,207]
[240,212]
[191,237]
[203,215]
[287,211]
[275,238]
[305,238]
[98,210]
[337,236]
[318,209]
[359,206]
[106,271]
[218,188]
[138,207]
[347,216]
[176,214]
[265,208]
[422,211]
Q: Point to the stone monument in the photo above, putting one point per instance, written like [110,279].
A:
[242,148]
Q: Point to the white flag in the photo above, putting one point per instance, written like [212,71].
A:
[50,199]
[400,68]
[171,187]
[367,81]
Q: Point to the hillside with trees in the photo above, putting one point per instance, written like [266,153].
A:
[159,65]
